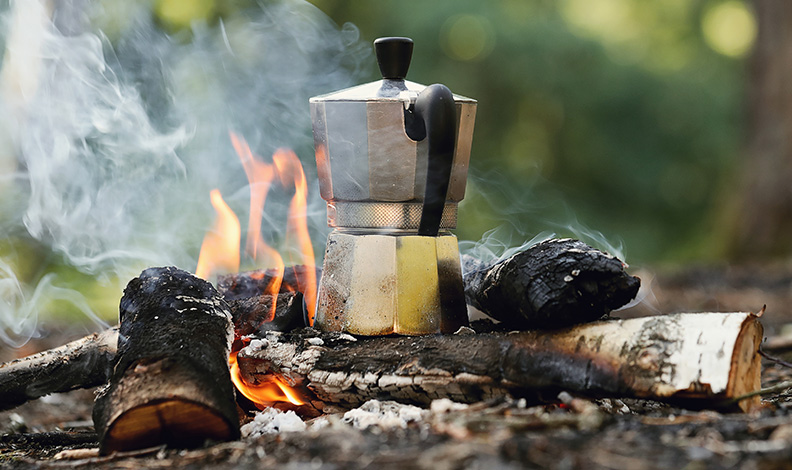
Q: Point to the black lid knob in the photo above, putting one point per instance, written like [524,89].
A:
[393,56]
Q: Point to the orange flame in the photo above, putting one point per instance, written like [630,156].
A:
[290,171]
[260,176]
[220,248]
[267,393]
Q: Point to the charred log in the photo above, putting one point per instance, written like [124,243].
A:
[83,363]
[170,382]
[283,312]
[255,283]
[649,357]
[553,284]
[699,360]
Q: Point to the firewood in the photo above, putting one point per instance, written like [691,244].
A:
[643,357]
[696,360]
[83,363]
[253,283]
[555,283]
[170,382]
[88,361]
[255,314]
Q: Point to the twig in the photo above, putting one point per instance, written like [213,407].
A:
[106,458]
[762,391]
[777,360]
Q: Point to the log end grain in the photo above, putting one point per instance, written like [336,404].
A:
[161,402]
[173,422]
[746,371]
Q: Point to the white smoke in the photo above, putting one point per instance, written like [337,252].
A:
[94,159]
[499,244]
[520,220]
[19,306]
[110,148]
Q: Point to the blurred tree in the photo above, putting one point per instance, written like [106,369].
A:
[621,115]
[764,223]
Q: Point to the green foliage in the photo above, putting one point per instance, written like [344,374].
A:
[617,112]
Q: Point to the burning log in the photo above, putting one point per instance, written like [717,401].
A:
[553,284]
[699,360]
[283,312]
[253,283]
[170,382]
[86,362]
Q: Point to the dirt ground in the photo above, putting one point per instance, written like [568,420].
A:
[609,433]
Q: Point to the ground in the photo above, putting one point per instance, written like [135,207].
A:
[576,432]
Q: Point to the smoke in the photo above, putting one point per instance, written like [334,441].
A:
[524,216]
[19,306]
[113,145]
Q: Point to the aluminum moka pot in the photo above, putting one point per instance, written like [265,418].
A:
[392,159]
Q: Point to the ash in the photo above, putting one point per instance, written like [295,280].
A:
[373,415]
[273,421]
[386,415]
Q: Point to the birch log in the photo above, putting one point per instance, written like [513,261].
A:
[697,360]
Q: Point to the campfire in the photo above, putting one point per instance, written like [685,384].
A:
[220,253]
[386,318]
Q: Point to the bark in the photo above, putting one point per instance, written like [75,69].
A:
[764,221]
[86,362]
[553,284]
[170,382]
[698,360]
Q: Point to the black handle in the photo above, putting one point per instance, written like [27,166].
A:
[393,56]
[435,106]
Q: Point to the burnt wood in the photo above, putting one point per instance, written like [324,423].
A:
[254,283]
[170,382]
[86,362]
[637,357]
[555,283]
[255,314]
[698,360]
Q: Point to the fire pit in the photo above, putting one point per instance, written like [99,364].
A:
[569,430]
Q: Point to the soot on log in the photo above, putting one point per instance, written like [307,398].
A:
[86,362]
[255,314]
[253,283]
[171,382]
[697,360]
[553,284]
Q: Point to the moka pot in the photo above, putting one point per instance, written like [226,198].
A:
[392,159]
